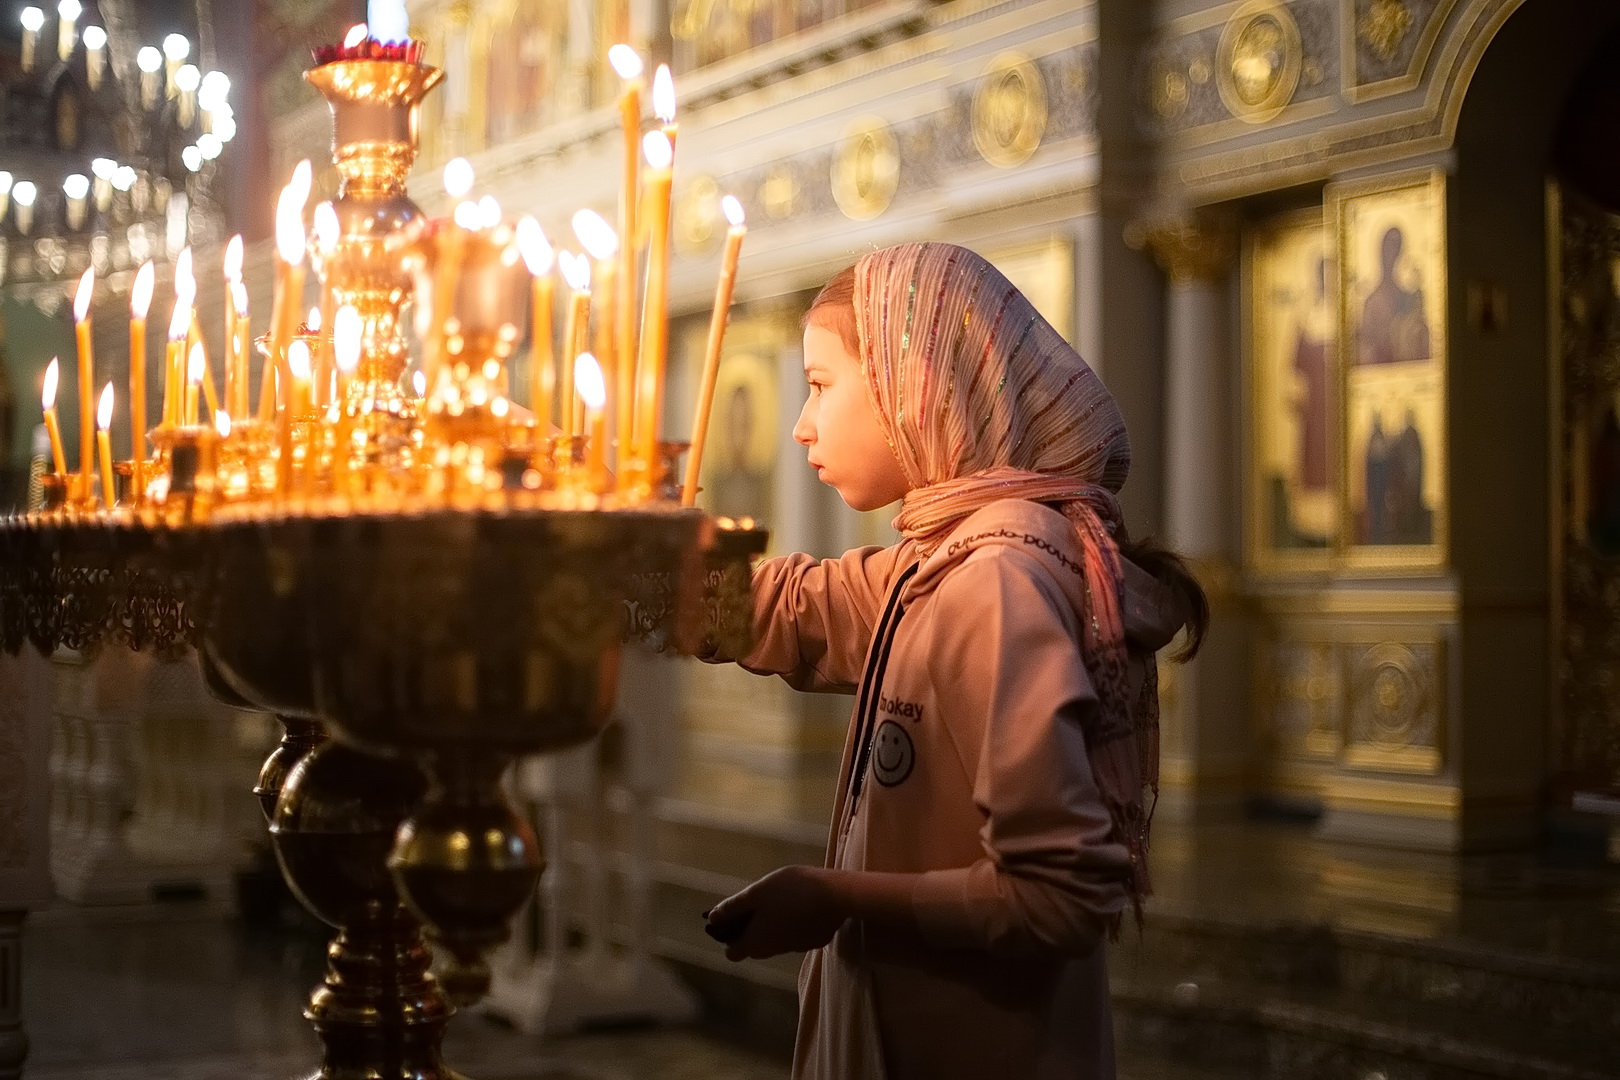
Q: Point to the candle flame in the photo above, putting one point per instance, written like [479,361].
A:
[290,236]
[196,364]
[588,381]
[346,332]
[419,383]
[233,258]
[500,407]
[536,249]
[104,410]
[303,175]
[458,177]
[185,282]
[327,230]
[663,95]
[596,234]
[298,359]
[467,215]
[47,397]
[81,300]
[625,60]
[489,212]
[239,297]
[576,270]
[733,210]
[222,423]
[659,153]
[140,297]
[313,320]
[357,33]
[180,321]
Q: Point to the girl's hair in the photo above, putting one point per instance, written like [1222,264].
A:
[834,309]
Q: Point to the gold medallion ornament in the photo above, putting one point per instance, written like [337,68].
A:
[780,193]
[1384,27]
[1258,62]
[866,169]
[1009,111]
[697,216]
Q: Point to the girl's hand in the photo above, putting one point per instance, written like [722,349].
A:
[793,909]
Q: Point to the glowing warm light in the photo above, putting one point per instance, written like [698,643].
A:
[327,229]
[105,408]
[625,60]
[535,248]
[389,20]
[216,87]
[663,95]
[81,299]
[313,320]
[32,19]
[500,407]
[210,146]
[576,270]
[467,216]
[124,178]
[233,259]
[149,60]
[489,212]
[95,37]
[176,48]
[102,168]
[357,33]
[25,193]
[70,9]
[47,396]
[192,158]
[733,209]
[239,297]
[458,177]
[595,234]
[290,235]
[419,383]
[588,381]
[303,176]
[76,186]
[5,183]
[188,78]
[222,423]
[658,150]
[224,128]
[298,359]
[347,327]
[196,364]
[140,297]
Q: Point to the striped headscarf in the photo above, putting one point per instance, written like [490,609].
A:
[982,400]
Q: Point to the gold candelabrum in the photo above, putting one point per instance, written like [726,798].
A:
[422,579]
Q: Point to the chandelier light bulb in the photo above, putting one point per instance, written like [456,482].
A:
[192,157]
[625,60]
[124,178]
[25,193]
[214,89]
[32,19]
[103,168]
[224,128]
[95,37]
[188,78]
[466,215]
[458,177]
[149,60]
[70,9]
[534,247]
[76,186]
[176,48]
[210,146]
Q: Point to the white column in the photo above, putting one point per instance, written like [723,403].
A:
[795,523]
[1204,747]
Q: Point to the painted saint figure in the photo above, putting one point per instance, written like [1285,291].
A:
[1393,326]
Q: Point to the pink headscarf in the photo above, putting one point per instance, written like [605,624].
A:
[981,400]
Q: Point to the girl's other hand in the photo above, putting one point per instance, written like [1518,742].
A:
[788,910]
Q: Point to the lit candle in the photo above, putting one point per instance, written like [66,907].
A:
[711,353]
[593,393]
[663,96]
[87,386]
[109,494]
[299,367]
[538,257]
[174,360]
[233,276]
[290,238]
[628,65]
[599,239]
[47,399]
[33,19]
[318,367]
[196,368]
[140,302]
[243,324]
[206,378]
[327,234]
[347,329]
[654,315]
[577,272]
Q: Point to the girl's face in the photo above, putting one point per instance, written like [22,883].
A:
[837,426]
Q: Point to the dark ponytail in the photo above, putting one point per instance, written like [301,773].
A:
[1170,570]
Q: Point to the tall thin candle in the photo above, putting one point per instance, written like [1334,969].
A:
[104,445]
[81,328]
[628,64]
[233,277]
[174,360]
[599,239]
[577,271]
[289,300]
[711,353]
[655,310]
[140,302]
[47,400]
[539,257]
[242,325]
[593,395]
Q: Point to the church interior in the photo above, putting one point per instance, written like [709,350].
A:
[1350,269]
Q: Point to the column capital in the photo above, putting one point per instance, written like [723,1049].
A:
[1190,246]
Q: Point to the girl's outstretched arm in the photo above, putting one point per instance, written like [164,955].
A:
[813,618]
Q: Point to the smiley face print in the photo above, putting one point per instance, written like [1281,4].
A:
[893,754]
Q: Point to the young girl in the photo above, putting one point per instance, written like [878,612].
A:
[991,821]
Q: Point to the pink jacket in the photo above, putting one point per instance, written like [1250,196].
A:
[964,764]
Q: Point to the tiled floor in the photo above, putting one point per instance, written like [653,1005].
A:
[181,993]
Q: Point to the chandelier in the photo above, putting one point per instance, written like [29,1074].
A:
[100,172]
